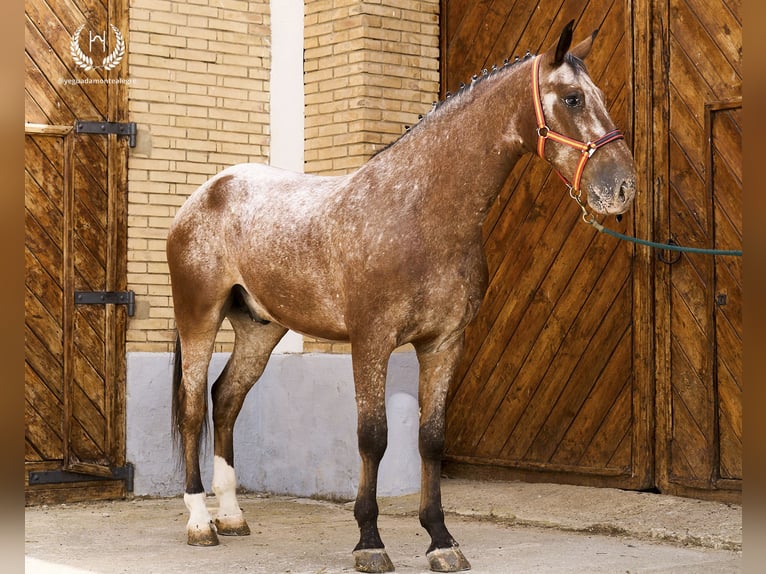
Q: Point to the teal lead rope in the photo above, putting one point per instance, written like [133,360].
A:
[591,220]
[666,246]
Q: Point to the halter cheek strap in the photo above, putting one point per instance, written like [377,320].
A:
[544,133]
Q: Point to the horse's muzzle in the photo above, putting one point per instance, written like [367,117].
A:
[613,199]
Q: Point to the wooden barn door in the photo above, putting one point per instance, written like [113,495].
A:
[75,221]
[549,386]
[699,201]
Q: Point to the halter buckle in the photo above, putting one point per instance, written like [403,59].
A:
[576,194]
[542,131]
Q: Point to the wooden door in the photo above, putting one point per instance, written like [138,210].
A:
[75,222]
[548,387]
[699,199]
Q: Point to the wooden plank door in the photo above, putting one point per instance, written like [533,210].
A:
[548,387]
[75,222]
[699,200]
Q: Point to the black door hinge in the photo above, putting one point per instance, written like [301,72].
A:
[125,473]
[120,128]
[107,298]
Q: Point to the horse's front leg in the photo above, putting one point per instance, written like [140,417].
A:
[437,368]
[370,367]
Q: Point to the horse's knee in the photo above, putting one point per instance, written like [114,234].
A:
[431,442]
[373,439]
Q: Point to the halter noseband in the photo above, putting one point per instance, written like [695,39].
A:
[544,133]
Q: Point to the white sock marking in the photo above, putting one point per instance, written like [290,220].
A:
[199,517]
[225,488]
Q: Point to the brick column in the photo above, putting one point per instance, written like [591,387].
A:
[371,67]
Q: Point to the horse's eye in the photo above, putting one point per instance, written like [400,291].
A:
[573,100]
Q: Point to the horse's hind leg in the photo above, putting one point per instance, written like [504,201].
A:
[437,368]
[190,412]
[253,345]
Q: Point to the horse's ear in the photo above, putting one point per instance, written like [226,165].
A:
[565,40]
[582,49]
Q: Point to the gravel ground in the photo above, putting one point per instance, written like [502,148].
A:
[502,528]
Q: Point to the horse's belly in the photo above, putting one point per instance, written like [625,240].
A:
[319,328]
[313,314]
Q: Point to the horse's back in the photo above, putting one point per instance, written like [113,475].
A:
[252,195]
[235,186]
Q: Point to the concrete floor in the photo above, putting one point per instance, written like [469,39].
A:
[502,528]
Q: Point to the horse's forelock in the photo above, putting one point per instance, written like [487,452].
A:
[576,63]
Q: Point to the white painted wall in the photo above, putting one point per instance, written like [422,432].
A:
[296,433]
[286,84]
[286,104]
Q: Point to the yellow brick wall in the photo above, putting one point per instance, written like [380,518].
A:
[371,67]
[199,72]
[199,93]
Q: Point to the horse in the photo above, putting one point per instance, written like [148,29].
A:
[386,255]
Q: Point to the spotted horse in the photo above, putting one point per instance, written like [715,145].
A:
[387,255]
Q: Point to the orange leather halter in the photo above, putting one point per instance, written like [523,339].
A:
[544,133]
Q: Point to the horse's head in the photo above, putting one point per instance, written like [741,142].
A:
[574,131]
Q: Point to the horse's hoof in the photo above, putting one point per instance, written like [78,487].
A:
[372,560]
[202,537]
[232,526]
[447,560]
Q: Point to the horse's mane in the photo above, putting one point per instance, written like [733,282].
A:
[451,99]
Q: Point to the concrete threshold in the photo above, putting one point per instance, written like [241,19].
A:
[639,515]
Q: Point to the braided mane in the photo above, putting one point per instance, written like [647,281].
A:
[450,98]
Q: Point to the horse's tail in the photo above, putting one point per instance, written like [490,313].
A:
[178,398]
[176,403]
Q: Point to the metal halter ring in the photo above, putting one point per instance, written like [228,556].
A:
[587,217]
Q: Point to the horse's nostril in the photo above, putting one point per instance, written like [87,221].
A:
[622,194]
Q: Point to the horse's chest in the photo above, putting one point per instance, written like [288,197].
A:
[453,287]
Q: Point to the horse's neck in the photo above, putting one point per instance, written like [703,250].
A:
[459,158]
